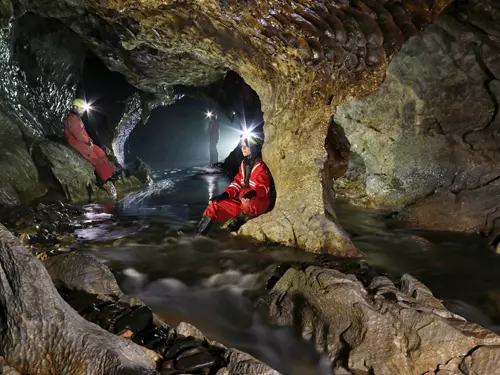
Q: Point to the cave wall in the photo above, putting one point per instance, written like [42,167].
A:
[41,63]
[429,137]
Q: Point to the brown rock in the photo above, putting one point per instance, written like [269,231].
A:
[77,271]
[379,329]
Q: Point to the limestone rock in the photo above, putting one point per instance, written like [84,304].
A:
[64,170]
[19,179]
[244,364]
[428,136]
[380,329]
[38,324]
[76,271]
[6,12]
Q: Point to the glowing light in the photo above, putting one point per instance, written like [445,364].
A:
[87,107]
[209,114]
[247,134]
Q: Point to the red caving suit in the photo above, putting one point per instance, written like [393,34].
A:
[260,181]
[77,137]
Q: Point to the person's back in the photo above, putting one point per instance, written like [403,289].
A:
[77,136]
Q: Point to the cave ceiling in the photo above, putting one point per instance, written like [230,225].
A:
[324,49]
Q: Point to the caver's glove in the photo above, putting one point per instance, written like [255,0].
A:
[249,194]
[220,197]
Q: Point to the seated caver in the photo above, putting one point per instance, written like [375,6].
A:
[248,194]
[77,136]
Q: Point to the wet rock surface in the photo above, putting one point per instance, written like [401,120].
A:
[381,327]
[178,353]
[27,342]
[427,139]
[42,228]
[81,272]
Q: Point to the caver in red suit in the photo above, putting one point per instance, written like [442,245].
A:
[248,194]
[77,137]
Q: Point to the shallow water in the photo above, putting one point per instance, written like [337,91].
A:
[148,240]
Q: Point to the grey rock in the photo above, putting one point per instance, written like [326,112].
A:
[39,324]
[240,363]
[77,271]
[379,329]
[483,360]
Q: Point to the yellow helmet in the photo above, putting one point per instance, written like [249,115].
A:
[80,104]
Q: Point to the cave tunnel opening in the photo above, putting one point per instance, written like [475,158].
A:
[174,138]
[178,135]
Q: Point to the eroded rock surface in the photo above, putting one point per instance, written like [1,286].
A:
[380,328]
[429,136]
[38,324]
[75,271]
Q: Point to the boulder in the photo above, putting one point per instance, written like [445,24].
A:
[380,328]
[37,324]
[75,271]
[19,179]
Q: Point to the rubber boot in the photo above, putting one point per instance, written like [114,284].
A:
[237,223]
[118,175]
[204,225]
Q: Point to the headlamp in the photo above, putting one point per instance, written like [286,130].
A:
[87,107]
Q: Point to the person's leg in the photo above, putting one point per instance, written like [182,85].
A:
[100,162]
[218,211]
[255,207]
[223,210]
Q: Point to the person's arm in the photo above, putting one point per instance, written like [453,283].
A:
[260,181]
[78,131]
[235,187]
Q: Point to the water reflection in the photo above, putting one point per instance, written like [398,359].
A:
[211,183]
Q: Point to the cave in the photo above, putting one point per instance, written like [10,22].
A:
[390,105]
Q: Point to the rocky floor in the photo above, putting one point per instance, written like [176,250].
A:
[330,301]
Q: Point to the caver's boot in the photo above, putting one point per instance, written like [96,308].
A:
[204,225]
[118,175]
[237,222]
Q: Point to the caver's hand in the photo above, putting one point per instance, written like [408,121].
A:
[249,195]
[220,197]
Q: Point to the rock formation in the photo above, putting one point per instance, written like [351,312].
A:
[380,328]
[30,337]
[428,138]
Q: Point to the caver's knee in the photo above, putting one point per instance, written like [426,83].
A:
[211,209]
[248,209]
[254,207]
